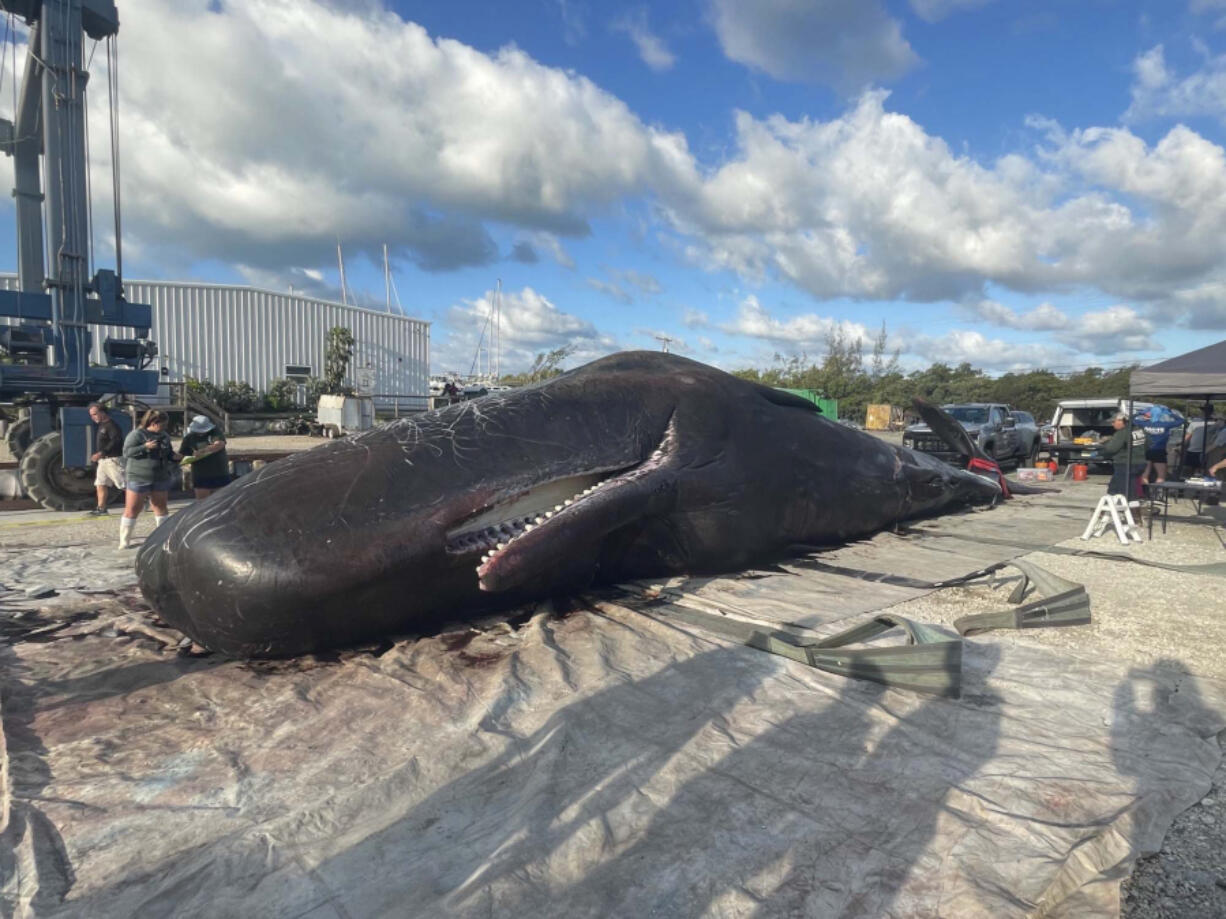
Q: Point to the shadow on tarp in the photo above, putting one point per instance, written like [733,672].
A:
[35,871]
[645,800]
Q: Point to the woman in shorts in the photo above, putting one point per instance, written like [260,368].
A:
[150,467]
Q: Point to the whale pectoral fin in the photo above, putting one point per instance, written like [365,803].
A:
[945,427]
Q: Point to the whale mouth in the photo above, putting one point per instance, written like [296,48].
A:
[494,528]
[519,539]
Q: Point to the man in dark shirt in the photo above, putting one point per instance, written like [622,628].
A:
[108,443]
[1116,449]
[207,448]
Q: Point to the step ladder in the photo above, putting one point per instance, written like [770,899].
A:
[1113,511]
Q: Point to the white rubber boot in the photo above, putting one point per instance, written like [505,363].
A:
[126,525]
[158,521]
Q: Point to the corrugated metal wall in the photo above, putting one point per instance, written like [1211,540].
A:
[220,332]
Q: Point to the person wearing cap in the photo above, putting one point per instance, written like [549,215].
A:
[207,448]
[1115,448]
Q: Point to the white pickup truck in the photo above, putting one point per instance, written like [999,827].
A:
[1078,425]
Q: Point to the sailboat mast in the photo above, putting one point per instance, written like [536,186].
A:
[387,279]
[498,332]
[340,262]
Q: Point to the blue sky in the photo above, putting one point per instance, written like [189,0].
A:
[1017,184]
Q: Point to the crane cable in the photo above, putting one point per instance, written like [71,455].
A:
[112,68]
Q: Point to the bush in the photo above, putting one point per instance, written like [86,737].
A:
[282,395]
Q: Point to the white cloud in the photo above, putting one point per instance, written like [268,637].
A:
[1158,93]
[574,24]
[995,354]
[695,319]
[625,283]
[1043,318]
[1110,331]
[641,281]
[847,44]
[1199,307]
[869,205]
[651,47]
[290,139]
[610,288]
[531,323]
[936,10]
[796,333]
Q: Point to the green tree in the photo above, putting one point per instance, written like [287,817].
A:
[337,353]
[546,365]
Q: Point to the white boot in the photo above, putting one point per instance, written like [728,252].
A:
[158,521]
[126,525]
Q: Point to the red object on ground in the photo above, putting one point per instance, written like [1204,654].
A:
[976,464]
[1081,472]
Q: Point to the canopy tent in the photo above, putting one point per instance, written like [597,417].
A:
[1199,374]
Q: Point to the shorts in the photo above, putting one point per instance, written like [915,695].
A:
[1156,455]
[144,488]
[110,472]
[220,481]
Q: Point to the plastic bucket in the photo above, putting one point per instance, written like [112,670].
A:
[1054,467]
[1081,472]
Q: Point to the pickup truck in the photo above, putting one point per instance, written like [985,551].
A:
[1077,427]
[993,426]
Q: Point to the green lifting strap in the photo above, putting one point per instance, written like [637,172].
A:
[1062,603]
[931,662]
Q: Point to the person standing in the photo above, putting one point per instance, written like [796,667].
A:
[207,448]
[1199,433]
[1116,449]
[1157,422]
[108,456]
[149,471]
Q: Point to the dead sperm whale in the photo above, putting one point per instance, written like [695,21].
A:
[635,465]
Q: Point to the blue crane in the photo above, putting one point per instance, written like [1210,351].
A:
[46,375]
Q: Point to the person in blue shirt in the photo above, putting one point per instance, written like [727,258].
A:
[1157,422]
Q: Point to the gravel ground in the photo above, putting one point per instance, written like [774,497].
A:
[1188,877]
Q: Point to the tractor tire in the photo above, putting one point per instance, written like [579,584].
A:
[47,481]
[18,438]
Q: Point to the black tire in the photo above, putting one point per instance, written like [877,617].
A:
[1028,458]
[18,438]
[47,481]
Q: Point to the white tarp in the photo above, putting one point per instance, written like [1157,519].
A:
[595,762]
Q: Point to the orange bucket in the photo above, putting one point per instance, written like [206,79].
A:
[1081,472]
[1054,467]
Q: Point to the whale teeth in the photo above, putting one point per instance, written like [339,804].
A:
[548,514]
[568,502]
[557,507]
[529,528]
[500,546]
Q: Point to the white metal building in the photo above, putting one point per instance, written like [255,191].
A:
[222,332]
